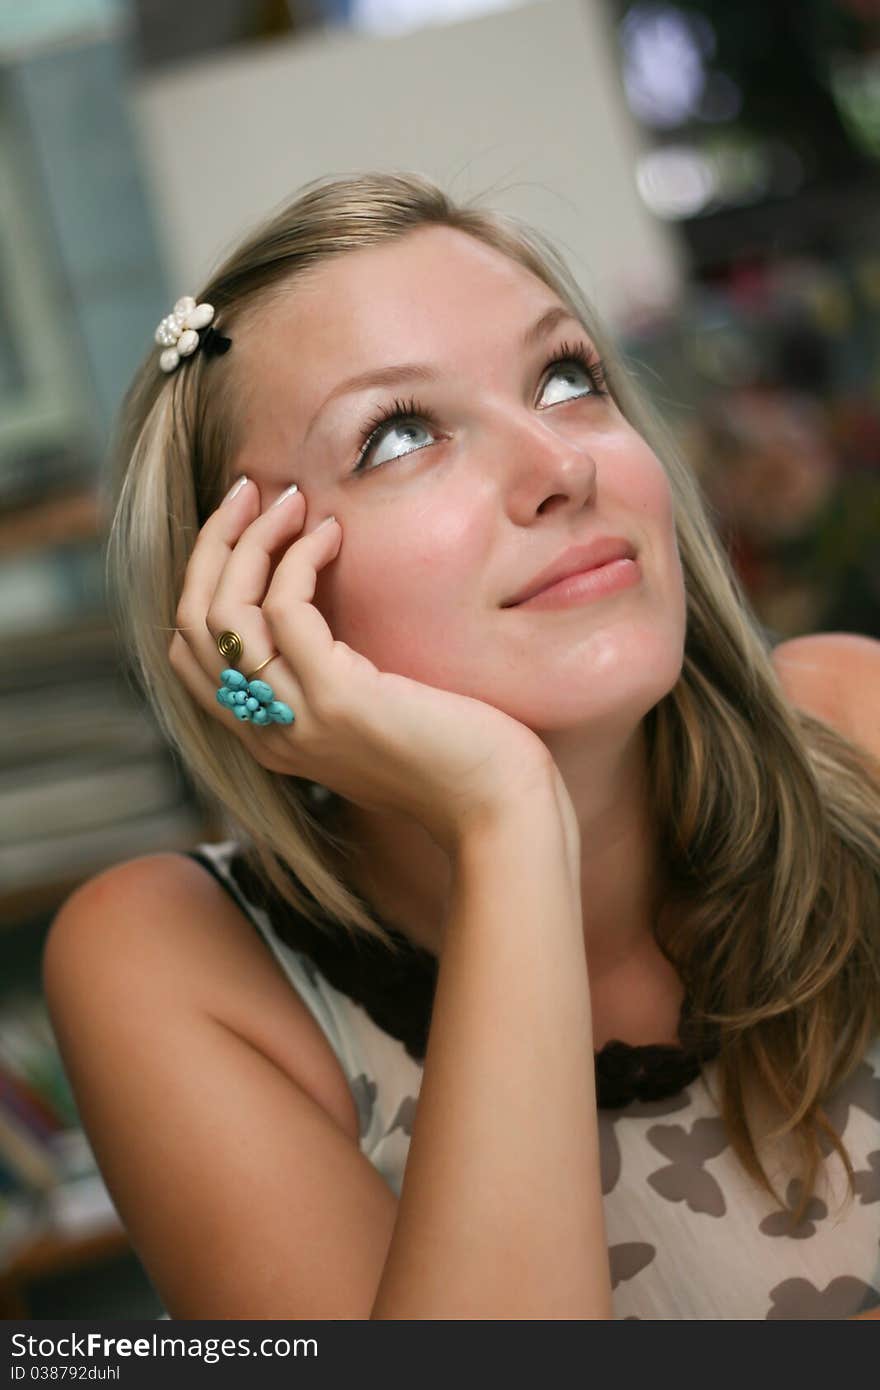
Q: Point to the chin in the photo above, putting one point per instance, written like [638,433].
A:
[612,678]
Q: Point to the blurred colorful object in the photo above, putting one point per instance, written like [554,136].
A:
[751,101]
[771,376]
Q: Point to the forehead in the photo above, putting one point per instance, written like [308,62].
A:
[436,275]
[435,294]
[392,299]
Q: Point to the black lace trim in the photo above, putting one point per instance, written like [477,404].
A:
[398,994]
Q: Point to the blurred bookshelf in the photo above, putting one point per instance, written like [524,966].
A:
[87,780]
[72,516]
[50,1255]
[55,1212]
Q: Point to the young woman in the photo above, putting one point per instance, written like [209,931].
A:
[571,1001]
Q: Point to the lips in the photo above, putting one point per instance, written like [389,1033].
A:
[575,560]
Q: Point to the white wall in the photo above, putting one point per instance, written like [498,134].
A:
[528,100]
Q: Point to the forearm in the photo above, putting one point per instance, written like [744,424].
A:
[500,1213]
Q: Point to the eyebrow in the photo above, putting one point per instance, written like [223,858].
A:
[421,371]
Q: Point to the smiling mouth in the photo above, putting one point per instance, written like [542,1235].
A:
[586,585]
[577,560]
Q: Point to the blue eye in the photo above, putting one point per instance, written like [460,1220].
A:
[405,417]
[576,354]
[408,417]
[570,369]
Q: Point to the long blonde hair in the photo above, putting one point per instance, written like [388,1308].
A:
[767,817]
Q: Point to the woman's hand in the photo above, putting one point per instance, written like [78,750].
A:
[381,740]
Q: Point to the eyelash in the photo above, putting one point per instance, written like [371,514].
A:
[399,410]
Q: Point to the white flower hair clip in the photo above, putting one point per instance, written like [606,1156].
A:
[178,333]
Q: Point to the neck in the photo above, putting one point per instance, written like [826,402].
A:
[405,876]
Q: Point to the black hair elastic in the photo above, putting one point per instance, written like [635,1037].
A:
[214,343]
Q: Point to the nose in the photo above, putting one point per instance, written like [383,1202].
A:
[543,464]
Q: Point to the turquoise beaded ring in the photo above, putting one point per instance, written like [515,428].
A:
[251,701]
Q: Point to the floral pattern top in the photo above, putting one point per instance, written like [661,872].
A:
[690,1234]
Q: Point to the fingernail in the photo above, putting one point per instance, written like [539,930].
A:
[282,497]
[325,522]
[235,489]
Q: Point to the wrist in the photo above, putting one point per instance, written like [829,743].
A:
[570,824]
[531,813]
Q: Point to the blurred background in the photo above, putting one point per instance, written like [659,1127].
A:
[710,170]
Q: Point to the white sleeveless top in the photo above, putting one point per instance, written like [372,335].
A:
[690,1234]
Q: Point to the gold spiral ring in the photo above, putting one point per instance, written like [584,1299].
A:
[262,664]
[229,646]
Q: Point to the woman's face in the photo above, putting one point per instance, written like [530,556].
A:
[453,514]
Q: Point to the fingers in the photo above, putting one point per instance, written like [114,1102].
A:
[225,588]
[239,587]
[227,576]
[243,602]
[212,551]
[204,690]
[295,625]
[194,652]
[245,574]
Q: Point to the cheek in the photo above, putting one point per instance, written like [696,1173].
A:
[636,481]
[638,489]
[403,597]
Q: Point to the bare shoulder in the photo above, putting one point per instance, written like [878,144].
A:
[161,926]
[209,1097]
[836,676]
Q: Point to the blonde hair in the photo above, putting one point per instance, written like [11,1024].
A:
[767,817]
